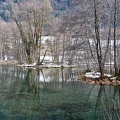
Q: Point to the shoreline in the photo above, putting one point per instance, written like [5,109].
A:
[94,78]
[103,82]
[35,65]
[46,66]
[98,81]
[5,62]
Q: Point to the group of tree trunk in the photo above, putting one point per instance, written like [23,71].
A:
[30,25]
[93,35]
[89,37]
[100,57]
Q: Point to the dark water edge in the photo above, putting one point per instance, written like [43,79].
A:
[54,94]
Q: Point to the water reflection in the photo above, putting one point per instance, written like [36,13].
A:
[54,94]
[107,105]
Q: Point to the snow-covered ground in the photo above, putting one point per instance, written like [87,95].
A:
[28,65]
[47,65]
[45,38]
[95,74]
[47,58]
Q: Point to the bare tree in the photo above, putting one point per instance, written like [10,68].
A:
[115,54]
[31,27]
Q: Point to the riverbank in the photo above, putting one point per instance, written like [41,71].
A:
[47,65]
[8,62]
[35,65]
[94,78]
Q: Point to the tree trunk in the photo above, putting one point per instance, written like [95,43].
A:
[98,42]
[115,57]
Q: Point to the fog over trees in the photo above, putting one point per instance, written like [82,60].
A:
[85,33]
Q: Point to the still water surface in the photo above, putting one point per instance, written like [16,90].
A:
[54,94]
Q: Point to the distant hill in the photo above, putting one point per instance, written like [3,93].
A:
[58,6]
[63,6]
[5,8]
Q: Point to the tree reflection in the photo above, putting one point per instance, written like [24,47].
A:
[32,89]
[54,94]
[112,106]
[107,103]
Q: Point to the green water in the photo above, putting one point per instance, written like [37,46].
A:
[54,94]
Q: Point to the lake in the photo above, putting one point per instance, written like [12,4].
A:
[54,94]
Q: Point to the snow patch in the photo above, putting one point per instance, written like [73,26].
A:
[46,65]
[95,74]
[28,65]
[113,78]
[92,74]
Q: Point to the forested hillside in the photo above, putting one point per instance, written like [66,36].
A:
[5,9]
[57,5]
